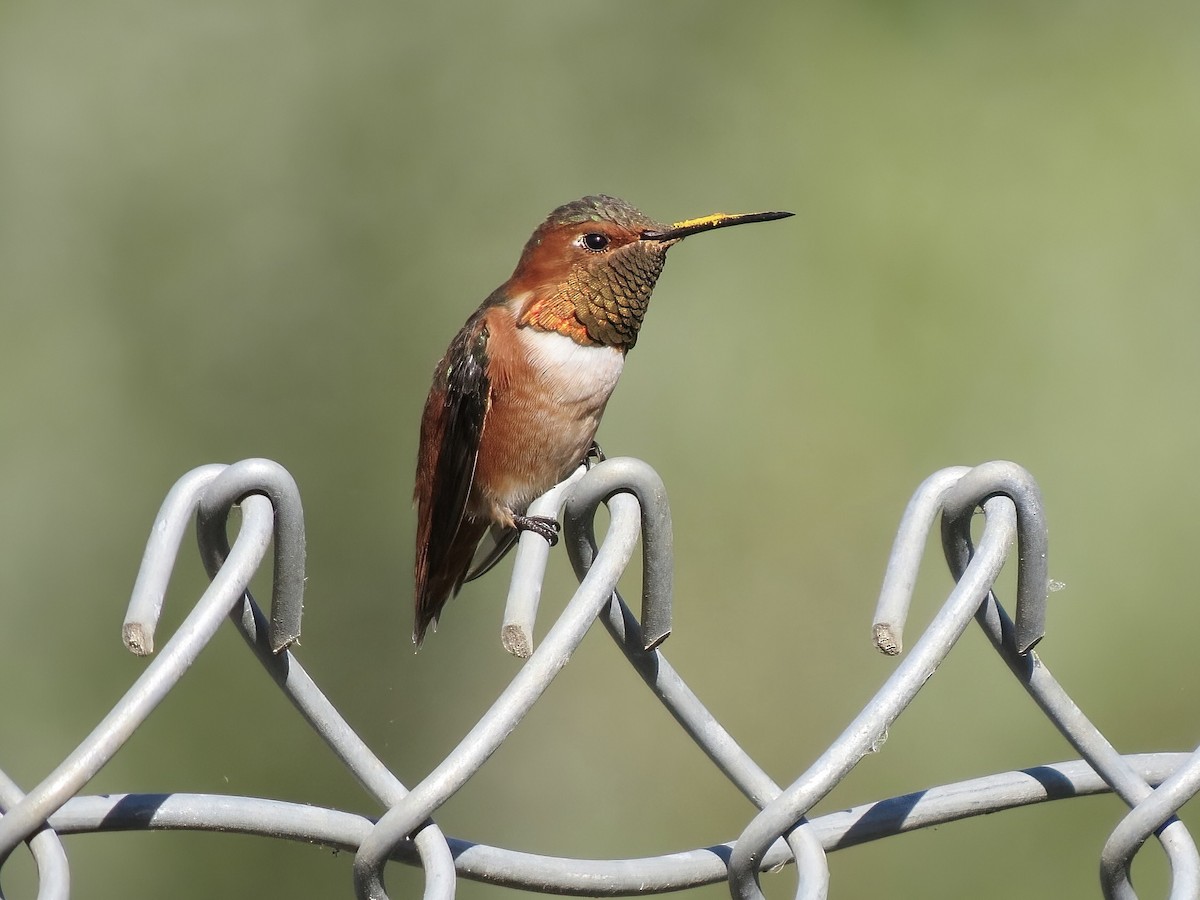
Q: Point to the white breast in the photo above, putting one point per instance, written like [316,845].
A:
[573,373]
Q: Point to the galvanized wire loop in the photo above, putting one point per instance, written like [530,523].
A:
[210,492]
[1050,696]
[231,487]
[1007,479]
[633,476]
[959,491]
[509,708]
[160,676]
[54,874]
[432,849]
[641,646]
[870,726]
[1092,745]
[1153,813]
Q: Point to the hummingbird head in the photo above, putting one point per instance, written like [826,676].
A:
[588,270]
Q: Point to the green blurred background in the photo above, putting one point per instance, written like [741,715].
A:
[249,229]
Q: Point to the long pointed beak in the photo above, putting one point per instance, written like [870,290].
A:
[680,230]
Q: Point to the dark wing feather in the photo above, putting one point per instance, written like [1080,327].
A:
[450,433]
[500,540]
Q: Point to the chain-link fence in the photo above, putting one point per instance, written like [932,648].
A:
[1154,785]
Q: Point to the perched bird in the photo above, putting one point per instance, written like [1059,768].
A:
[517,398]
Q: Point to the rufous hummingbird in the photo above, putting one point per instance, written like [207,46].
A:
[517,398]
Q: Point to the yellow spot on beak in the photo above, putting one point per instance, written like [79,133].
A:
[703,221]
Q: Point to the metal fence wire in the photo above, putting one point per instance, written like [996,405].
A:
[1154,785]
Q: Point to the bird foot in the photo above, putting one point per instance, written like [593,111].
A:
[543,526]
[595,454]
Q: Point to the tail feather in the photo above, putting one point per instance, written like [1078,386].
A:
[439,575]
[500,539]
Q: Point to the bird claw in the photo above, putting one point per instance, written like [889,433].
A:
[543,526]
[595,454]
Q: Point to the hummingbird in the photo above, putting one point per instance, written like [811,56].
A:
[518,396]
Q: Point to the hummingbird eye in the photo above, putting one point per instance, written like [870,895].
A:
[595,241]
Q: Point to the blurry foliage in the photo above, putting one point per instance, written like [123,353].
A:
[249,229]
